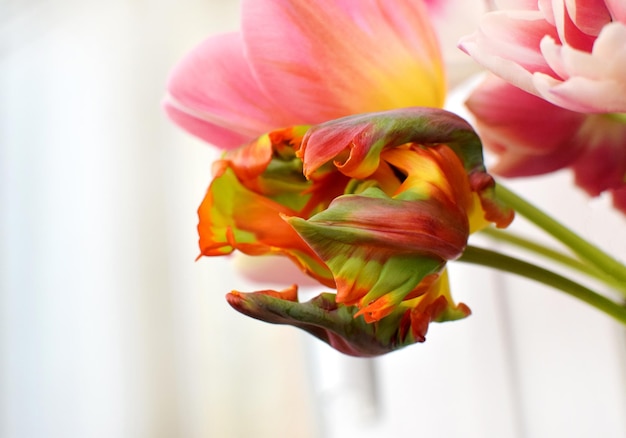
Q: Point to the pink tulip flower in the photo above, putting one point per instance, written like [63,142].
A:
[300,62]
[558,97]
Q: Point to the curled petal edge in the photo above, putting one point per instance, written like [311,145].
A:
[337,324]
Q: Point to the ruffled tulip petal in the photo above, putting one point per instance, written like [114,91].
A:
[354,145]
[343,57]
[214,95]
[338,325]
[369,257]
[235,218]
[423,227]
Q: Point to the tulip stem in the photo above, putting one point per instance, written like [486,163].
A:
[503,262]
[585,250]
[556,256]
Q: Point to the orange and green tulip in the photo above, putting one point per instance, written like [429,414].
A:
[372,205]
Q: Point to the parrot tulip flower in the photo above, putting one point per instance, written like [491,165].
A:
[301,62]
[373,205]
[558,97]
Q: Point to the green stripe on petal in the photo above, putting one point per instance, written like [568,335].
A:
[378,247]
[233,217]
[424,227]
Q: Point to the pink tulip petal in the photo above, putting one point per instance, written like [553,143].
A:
[507,44]
[504,128]
[513,163]
[593,82]
[343,57]
[545,6]
[209,132]
[582,94]
[568,31]
[617,9]
[516,35]
[526,5]
[588,15]
[214,86]
[610,49]
[602,165]
[575,115]
[508,70]
[553,54]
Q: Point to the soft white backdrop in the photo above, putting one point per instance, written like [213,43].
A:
[108,328]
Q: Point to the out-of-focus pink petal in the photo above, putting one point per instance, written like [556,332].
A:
[602,165]
[553,54]
[530,136]
[516,35]
[214,95]
[588,15]
[519,44]
[575,118]
[617,9]
[582,94]
[611,48]
[507,43]
[326,59]
[568,30]
[589,82]
[545,6]
[517,4]
[207,131]
[518,163]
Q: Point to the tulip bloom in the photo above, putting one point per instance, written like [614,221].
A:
[559,99]
[372,205]
[302,62]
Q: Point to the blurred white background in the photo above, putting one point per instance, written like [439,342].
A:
[108,328]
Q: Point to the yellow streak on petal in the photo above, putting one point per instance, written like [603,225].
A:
[407,83]
[476,215]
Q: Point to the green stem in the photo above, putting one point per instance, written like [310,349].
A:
[580,246]
[556,256]
[502,262]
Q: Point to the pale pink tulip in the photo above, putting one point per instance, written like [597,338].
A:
[559,98]
[571,53]
[305,62]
